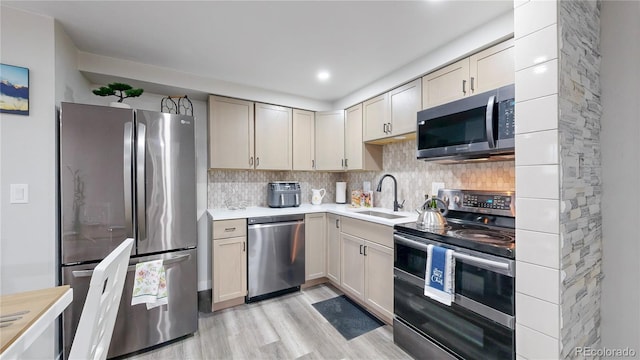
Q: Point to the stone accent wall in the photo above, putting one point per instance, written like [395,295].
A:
[249,188]
[581,180]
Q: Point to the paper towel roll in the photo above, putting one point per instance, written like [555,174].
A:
[341,192]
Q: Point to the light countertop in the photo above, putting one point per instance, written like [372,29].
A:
[338,209]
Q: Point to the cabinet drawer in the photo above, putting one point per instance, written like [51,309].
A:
[223,229]
[377,233]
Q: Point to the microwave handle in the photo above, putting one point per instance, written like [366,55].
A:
[489,123]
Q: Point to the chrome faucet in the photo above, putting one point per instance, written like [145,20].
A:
[396,206]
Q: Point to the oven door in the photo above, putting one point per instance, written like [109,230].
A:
[484,283]
[454,328]
[480,322]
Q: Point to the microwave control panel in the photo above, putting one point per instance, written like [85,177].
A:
[506,116]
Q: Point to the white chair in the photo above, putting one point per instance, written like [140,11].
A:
[98,317]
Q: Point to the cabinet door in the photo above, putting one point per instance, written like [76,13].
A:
[352,265]
[274,134]
[378,276]
[446,84]
[315,246]
[330,140]
[333,248]
[353,145]
[304,136]
[405,102]
[492,68]
[229,268]
[376,117]
[230,133]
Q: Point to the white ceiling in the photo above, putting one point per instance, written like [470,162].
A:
[276,45]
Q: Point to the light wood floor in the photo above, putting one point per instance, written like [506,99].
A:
[287,327]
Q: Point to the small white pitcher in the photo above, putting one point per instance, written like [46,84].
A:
[317,196]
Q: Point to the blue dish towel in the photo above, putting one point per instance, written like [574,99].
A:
[439,277]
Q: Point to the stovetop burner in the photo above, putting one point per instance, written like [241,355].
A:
[485,236]
[487,239]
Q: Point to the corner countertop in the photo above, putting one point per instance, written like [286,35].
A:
[338,209]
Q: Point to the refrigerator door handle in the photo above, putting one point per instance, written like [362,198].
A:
[128,181]
[167,262]
[141,196]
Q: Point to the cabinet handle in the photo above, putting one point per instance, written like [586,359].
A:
[229,229]
[346,163]
[257,161]
[389,127]
[313,164]
[337,223]
[365,251]
[251,161]
[244,246]
[464,86]
[360,249]
[472,87]
[384,128]
[342,162]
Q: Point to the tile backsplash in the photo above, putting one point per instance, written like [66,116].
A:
[249,187]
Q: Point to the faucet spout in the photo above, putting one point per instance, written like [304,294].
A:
[396,205]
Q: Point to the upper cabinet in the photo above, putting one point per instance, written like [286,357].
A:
[393,113]
[274,137]
[330,140]
[404,103]
[231,130]
[493,67]
[248,135]
[376,117]
[358,155]
[304,133]
[488,69]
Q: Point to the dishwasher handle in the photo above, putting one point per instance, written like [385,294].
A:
[275,224]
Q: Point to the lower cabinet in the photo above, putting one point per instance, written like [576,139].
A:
[229,257]
[333,248]
[315,246]
[367,264]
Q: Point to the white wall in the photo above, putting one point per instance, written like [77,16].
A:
[28,233]
[620,80]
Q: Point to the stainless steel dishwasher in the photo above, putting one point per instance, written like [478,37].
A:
[275,256]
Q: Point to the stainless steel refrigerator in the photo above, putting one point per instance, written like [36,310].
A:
[129,173]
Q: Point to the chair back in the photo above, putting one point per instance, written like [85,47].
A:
[98,317]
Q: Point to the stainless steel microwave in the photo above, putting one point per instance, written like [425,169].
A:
[475,127]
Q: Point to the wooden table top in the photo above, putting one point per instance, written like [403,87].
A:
[36,302]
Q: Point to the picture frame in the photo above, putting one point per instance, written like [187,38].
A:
[14,90]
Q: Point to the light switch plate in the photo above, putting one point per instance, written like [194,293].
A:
[19,193]
[435,186]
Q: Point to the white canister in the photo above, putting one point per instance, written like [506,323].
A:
[341,192]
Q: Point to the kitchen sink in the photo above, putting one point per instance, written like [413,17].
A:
[379,214]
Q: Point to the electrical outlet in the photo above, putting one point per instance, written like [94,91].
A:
[435,186]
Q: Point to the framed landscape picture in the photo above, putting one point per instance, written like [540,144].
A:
[14,90]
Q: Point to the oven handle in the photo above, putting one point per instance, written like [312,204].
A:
[502,267]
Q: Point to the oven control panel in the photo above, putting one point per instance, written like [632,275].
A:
[485,202]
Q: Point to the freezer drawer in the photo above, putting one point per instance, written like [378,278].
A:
[136,327]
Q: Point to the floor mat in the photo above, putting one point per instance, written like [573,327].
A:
[347,317]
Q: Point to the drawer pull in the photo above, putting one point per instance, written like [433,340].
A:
[229,229]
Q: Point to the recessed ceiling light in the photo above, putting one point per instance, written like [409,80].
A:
[323,75]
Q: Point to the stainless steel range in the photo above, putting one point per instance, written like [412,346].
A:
[480,322]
